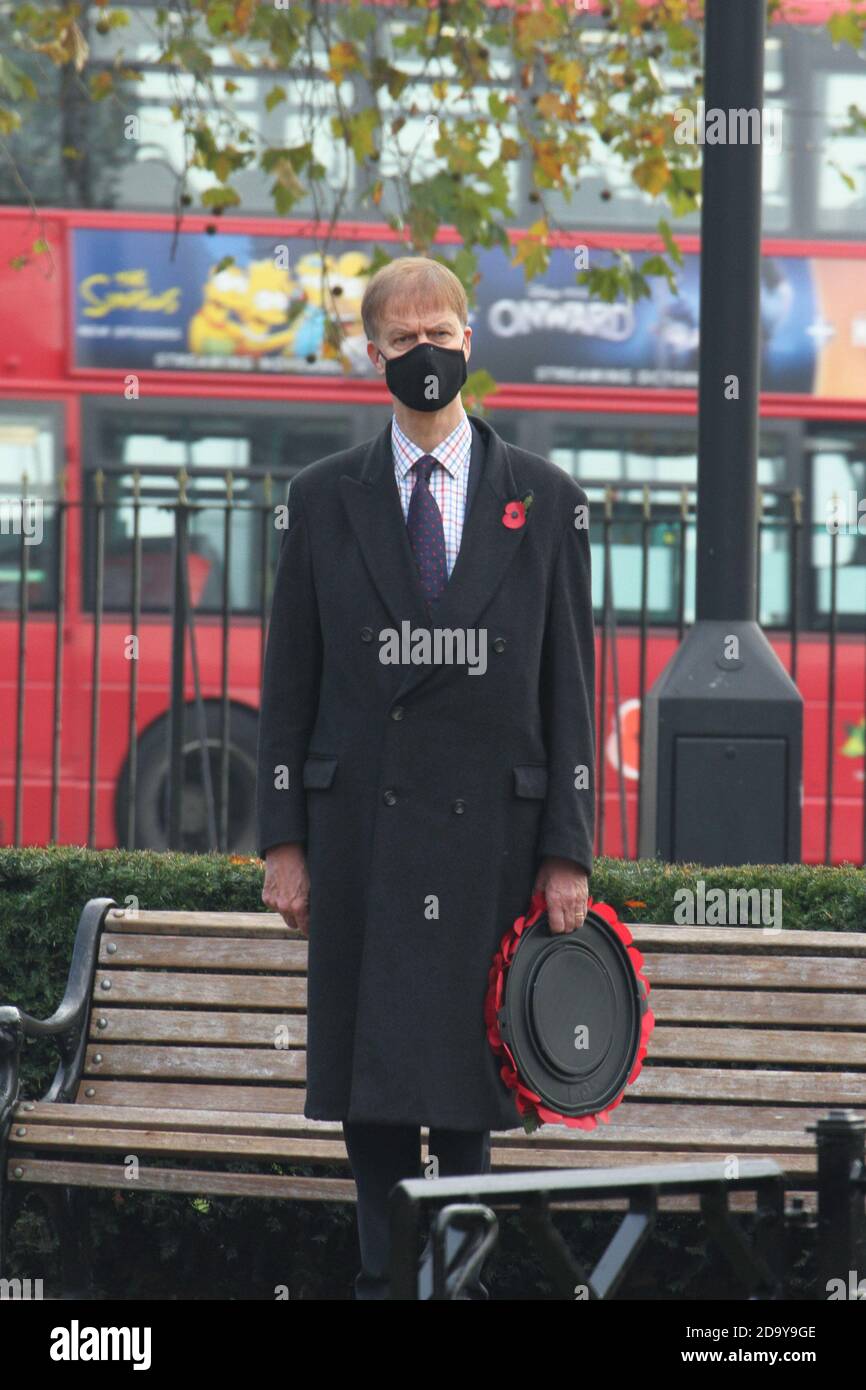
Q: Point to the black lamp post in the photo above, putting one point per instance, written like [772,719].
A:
[723,724]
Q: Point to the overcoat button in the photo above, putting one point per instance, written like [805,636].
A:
[458,808]
[366,634]
[389,797]
[499,644]
[397,712]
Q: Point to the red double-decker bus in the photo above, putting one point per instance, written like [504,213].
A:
[141,363]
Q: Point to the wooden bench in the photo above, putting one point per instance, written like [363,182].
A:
[182,1039]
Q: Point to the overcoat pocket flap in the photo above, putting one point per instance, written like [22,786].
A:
[530,779]
[319,770]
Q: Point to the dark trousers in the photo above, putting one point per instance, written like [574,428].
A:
[382,1155]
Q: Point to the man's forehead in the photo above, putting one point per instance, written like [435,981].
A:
[402,317]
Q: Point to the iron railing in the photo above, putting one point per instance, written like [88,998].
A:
[465,1215]
[105,529]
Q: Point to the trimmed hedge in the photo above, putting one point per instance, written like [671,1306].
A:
[198,1247]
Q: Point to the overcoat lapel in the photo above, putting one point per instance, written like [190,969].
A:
[373,504]
[487,547]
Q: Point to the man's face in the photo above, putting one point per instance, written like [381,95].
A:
[404,329]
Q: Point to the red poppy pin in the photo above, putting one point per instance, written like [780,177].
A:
[515,512]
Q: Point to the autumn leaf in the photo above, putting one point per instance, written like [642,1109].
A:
[551,107]
[548,157]
[344,57]
[531,250]
[569,74]
[78,47]
[653,173]
[533,27]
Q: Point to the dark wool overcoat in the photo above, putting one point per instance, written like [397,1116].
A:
[425,794]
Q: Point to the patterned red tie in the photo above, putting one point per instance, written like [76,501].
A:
[426,532]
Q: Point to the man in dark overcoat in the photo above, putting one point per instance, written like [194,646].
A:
[426,747]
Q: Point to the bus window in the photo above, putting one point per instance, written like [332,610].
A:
[841,171]
[158,442]
[29,445]
[664,459]
[838,508]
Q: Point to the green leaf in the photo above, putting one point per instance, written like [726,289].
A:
[357,21]
[12,79]
[845,177]
[220,16]
[671,246]
[845,28]
[220,197]
[656,266]
[274,97]
[360,132]
[284,199]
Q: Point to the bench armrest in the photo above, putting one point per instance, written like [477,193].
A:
[68,1024]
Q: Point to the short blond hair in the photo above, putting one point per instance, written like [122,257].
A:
[415,281]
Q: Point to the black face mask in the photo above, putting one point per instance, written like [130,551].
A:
[427,377]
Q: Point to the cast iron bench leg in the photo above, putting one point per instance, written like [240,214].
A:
[70,1209]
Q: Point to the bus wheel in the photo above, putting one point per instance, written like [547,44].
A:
[152,782]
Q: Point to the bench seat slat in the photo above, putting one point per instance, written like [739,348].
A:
[753,1007]
[270,926]
[266,926]
[680,1044]
[739,1121]
[288,1098]
[736,1044]
[180,987]
[113,1175]
[194,1026]
[304,1147]
[214,1063]
[508,1159]
[747,974]
[719,1084]
[77,1136]
[749,940]
[655,1083]
[203,952]
[318,1189]
[670,1006]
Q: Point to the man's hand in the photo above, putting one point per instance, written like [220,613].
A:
[566,889]
[287,886]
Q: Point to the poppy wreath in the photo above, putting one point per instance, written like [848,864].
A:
[529,1105]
